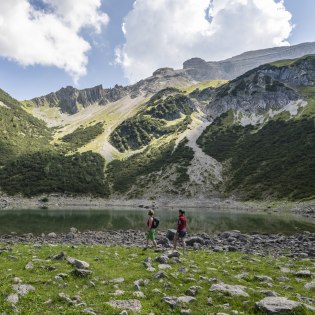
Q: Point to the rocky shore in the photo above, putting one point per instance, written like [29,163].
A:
[299,245]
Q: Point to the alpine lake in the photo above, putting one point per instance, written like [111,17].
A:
[199,220]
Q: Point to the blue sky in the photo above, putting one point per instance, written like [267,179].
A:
[55,43]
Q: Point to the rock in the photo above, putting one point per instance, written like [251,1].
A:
[163,259]
[60,256]
[16,280]
[23,289]
[29,266]
[194,239]
[52,235]
[269,293]
[186,299]
[119,292]
[130,305]
[89,311]
[310,285]
[277,305]
[138,294]
[73,230]
[164,266]
[303,273]
[81,272]
[13,298]
[118,280]
[229,289]
[172,254]
[78,263]
[159,275]
[185,311]
[171,234]
[170,300]
[192,291]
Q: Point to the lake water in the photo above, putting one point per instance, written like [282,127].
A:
[199,220]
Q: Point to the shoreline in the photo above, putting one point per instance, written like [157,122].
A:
[61,202]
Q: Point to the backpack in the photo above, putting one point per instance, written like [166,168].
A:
[155,223]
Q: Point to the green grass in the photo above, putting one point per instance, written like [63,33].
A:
[204,85]
[123,174]
[109,263]
[83,135]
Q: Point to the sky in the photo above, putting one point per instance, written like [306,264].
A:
[49,44]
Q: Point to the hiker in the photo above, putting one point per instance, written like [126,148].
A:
[181,229]
[151,229]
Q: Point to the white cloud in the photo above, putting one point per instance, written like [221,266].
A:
[164,33]
[51,37]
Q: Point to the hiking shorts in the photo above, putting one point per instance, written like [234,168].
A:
[151,235]
[181,234]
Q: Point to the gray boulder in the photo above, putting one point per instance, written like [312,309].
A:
[229,289]
[129,305]
[277,305]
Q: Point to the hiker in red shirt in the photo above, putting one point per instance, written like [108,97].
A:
[181,229]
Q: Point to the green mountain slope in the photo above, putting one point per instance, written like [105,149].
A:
[31,165]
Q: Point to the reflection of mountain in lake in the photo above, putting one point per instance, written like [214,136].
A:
[199,220]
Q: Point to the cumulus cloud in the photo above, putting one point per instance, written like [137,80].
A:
[51,36]
[163,33]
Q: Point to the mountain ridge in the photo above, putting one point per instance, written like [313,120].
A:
[210,139]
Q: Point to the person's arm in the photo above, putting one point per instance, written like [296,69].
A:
[149,223]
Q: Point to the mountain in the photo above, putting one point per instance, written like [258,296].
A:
[200,70]
[70,100]
[252,137]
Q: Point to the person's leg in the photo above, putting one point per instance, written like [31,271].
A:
[184,244]
[175,240]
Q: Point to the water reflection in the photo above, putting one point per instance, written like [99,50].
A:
[199,220]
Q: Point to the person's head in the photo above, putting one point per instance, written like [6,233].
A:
[181,212]
[151,212]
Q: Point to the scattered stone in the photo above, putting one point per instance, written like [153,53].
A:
[170,300]
[118,280]
[229,289]
[164,266]
[192,291]
[16,280]
[13,298]
[119,292]
[23,289]
[310,285]
[60,256]
[303,273]
[163,259]
[277,305]
[138,294]
[29,266]
[81,272]
[160,275]
[269,293]
[78,263]
[89,311]
[130,305]
[52,235]
[170,234]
